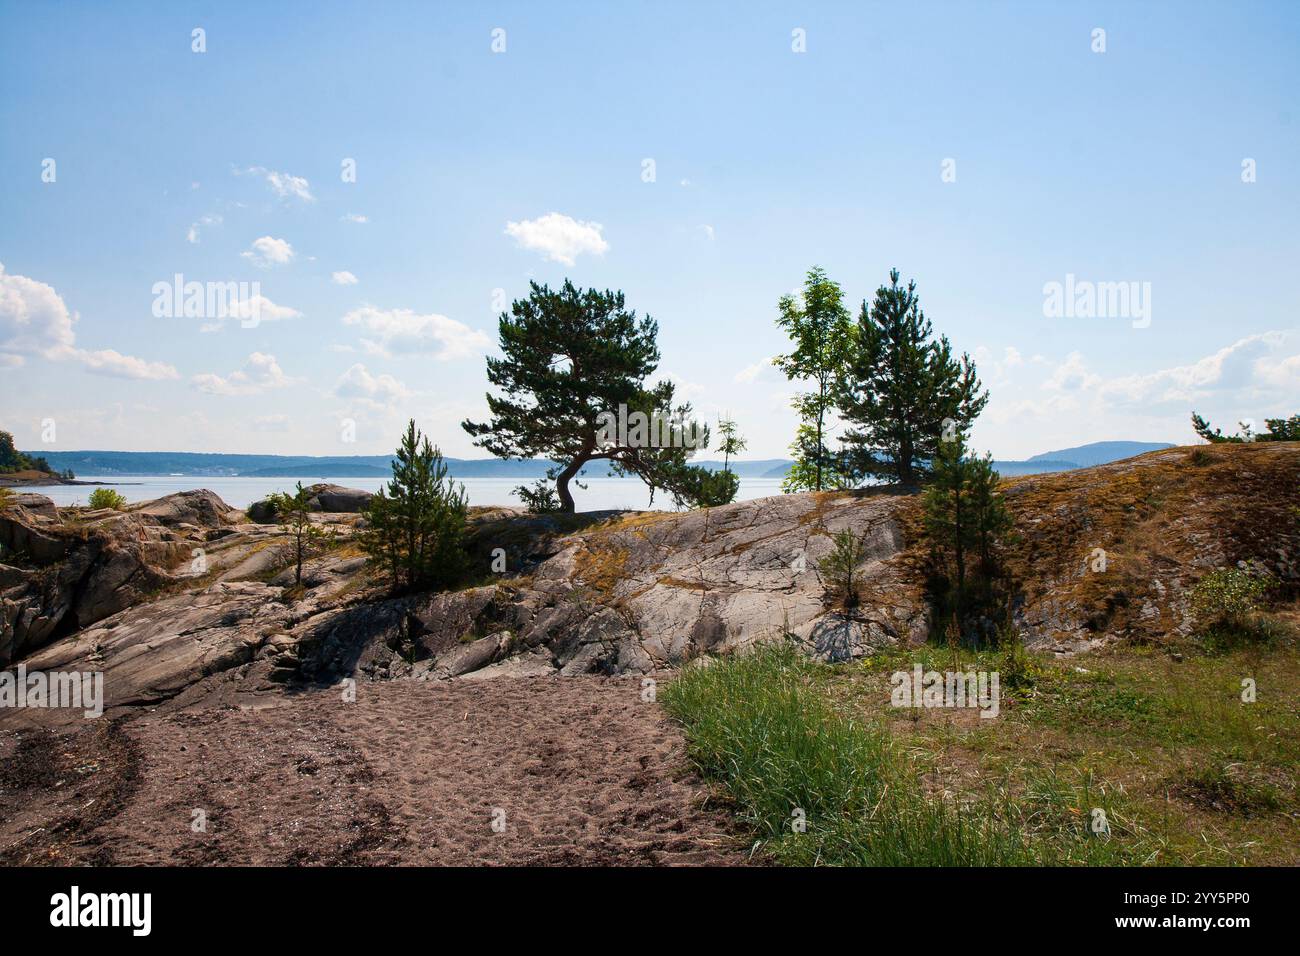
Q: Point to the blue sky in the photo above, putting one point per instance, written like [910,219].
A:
[1117,166]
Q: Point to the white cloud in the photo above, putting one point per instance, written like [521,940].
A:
[708,231]
[33,318]
[403,332]
[750,373]
[343,278]
[113,363]
[260,372]
[269,251]
[35,321]
[353,217]
[374,391]
[1072,375]
[193,234]
[256,307]
[685,390]
[994,370]
[284,185]
[1248,365]
[1257,377]
[558,237]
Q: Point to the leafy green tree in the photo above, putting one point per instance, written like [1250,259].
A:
[415,526]
[573,362]
[294,512]
[822,332]
[810,468]
[902,390]
[1278,429]
[11,459]
[732,443]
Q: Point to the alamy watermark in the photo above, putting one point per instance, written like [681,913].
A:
[208,300]
[1084,299]
[78,690]
[639,430]
[75,908]
[922,688]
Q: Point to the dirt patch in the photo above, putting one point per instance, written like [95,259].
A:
[525,771]
[57,790]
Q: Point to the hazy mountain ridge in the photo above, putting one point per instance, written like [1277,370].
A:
[104,463]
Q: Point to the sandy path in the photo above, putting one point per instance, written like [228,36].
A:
[579,770]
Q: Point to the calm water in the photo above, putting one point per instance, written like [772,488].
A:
[601,493]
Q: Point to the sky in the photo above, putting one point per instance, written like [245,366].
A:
[392,175]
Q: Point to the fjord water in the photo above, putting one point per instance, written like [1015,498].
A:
[240,492]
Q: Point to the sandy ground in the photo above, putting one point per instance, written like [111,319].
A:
[509,771]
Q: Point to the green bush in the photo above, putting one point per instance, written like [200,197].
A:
[1227,605]
[540,499]
[107,498]
[1227,596]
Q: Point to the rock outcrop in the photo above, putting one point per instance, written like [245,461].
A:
[623,593]
[64,572]
[327,498]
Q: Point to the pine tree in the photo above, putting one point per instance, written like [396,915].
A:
[822,331]
[903,390]
[967,522]
[570,358]
[732,443]
[294,514]
[415,526]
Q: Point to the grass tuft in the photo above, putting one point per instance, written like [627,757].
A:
[762,725]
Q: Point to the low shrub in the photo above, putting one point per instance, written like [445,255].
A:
[107,498]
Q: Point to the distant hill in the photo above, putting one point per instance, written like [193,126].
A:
[1065,459]
[1035,466]
[1031,467]
[108,463]
[1101,452]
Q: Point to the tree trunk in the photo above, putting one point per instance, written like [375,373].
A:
[821,413]
[906,476]
[562,483]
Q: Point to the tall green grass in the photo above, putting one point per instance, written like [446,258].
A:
[759,724]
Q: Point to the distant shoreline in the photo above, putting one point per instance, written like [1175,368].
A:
[9,481]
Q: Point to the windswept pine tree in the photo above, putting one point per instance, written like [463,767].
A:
[903,390]
[572,389]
